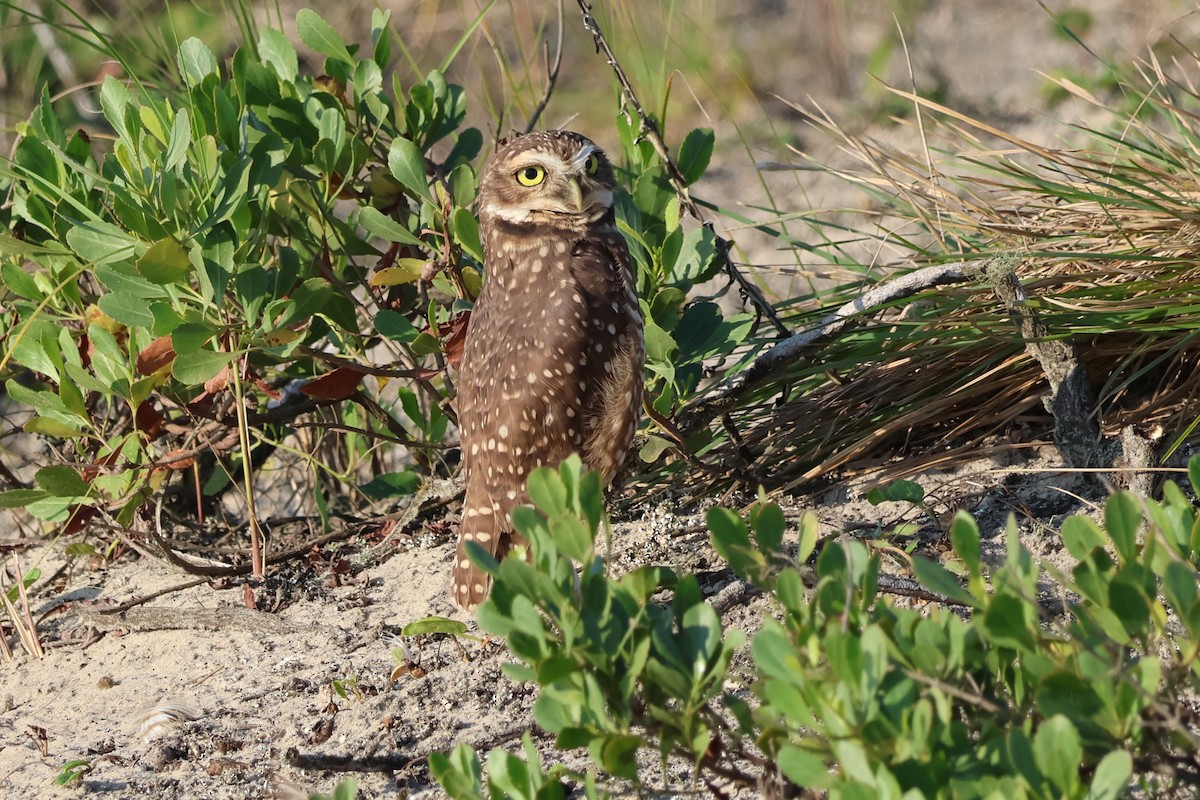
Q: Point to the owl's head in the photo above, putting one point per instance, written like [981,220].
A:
[556,177]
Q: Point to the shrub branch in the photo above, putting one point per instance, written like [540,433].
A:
[649,129]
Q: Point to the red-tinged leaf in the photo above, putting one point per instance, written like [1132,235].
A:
[454,337]
[267,388]
[80,516]
[248,598]
[149,420]
[201,405]
[218,382]
[86,348]
[336,385]
[177,459]
[157,355]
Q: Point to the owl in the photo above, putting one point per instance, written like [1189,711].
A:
[554,354]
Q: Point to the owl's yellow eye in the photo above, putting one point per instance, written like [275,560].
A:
[593,164]
[531,176]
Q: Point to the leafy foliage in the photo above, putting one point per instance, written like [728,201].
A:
[254,244]
[994,689]
[672,259]
[201,257]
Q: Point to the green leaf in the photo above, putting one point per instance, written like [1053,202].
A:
[768,524]
[48,426]
[1081,536]
[1122,518]
[434,625]
[1006,621]
[964,536]
[391,484]
[703,332]
[320,36]
[1112,776]
[123,279]
[809,531]
[376,223]
[460,774]
[465,228]
[802,767]
[618,755]
[190,337]
[407,165]
[19,498]
[52,509]
[181,137]
[277,50]
[695,153]
[101,242]
[196,61]
[654,447]
[936,578]
[127,310]
[199,366]
[727,527]
[903,491]
[547,491]
[166,262]
[659,344]
[18,281]
[1179,586]
[396,326]
[114,98]
[61,481]
[1057,751]
[308,299]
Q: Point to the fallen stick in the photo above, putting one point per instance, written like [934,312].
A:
[792,348]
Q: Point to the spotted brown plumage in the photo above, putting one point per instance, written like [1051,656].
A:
[554,354]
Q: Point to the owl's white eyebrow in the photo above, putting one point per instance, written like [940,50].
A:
[579,162]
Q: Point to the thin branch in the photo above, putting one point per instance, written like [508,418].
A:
[794,347]
[146,598]
[551,73]
[974,699]
[649,131]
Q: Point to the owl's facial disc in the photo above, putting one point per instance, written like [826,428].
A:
[550,185]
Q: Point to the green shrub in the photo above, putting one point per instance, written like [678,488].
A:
[1000,687]
[248,247]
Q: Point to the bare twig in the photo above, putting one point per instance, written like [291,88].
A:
[551,73]
[793,348]
[146,598]
[974,699]
[649,130]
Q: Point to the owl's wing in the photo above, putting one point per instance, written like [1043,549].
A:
[521,399]
[615,353]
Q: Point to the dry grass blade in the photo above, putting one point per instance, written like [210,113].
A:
[22,619]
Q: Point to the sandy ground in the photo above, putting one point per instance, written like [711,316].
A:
[250,671]
[255,688]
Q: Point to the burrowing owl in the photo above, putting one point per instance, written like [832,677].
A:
[554,353]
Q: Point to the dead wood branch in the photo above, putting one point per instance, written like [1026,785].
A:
[794,347]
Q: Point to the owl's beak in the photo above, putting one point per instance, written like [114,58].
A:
[574,195]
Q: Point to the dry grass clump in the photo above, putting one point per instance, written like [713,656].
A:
[1104,239]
